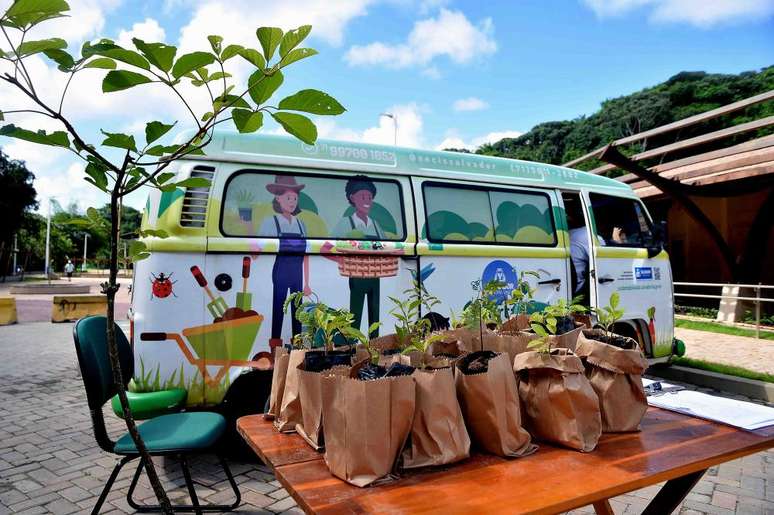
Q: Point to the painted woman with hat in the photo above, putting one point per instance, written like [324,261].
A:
[291,267]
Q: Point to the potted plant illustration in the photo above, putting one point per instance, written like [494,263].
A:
[244,200]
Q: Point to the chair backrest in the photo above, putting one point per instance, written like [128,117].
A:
[90,335]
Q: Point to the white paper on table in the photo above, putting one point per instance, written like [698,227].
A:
[745,415]
[664,385]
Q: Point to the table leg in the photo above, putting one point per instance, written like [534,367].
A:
[603,507]
[672,494]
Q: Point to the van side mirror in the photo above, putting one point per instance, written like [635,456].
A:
[657,238]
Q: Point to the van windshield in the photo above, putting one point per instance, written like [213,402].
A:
[297,206]
[620,222]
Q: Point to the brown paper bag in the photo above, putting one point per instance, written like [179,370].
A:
[560,405]
[365,424]
[290,409]
[616,376]
[490,406]
[438,434]
[512,343]
[567,340]
[281,358]
[310,393]
[515,324]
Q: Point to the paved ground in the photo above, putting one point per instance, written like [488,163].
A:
[37,307]
[49,462]
[750,353]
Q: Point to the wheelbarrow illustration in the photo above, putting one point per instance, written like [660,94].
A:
[222,344]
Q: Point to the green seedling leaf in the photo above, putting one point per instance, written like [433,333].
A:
[253,56]
[247,121]
[159,55]
[261,87]
[97,175]
[312,101]
[164,177]
[230,51]
[104,63]
[615,299]
[55,139]
[293,38]
[119,140]
[155,130]
[270,38]
[160,150]
[118,80]
[194,182]
[296,55]
[34,47]
[62,58]
[26,13]
[215,43]
[126,56]
[190,62]
[227,101]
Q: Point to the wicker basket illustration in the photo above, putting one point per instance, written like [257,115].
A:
[355,264]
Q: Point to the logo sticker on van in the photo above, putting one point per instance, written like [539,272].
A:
[643,273]
[501,272]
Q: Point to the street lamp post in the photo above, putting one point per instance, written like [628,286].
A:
[48,240]
[394,119]
[85,245]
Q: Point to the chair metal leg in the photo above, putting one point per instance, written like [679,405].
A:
[109,484]
[195,507]
[189,484]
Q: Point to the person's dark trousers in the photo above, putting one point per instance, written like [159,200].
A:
[286,276]
[359,289]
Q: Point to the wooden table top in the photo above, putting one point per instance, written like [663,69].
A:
[552,480]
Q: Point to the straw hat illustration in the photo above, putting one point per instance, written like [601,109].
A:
[283,183]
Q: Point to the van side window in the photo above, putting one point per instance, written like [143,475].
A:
[620,222]
[290,205]
[479,215]
[522,218]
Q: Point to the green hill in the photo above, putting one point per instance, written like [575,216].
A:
[685,94]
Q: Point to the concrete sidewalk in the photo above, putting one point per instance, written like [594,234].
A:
[741,351]
[50,463]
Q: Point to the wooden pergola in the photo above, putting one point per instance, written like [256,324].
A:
[723,172]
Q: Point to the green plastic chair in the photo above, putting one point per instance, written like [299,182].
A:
[177,434]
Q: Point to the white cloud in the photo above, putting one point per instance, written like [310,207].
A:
[449,34]
[701,13]
[148,30]
[236,20]
[453,140]
[410,123]
[67,186]
[469,104]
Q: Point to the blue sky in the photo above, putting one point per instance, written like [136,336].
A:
[456,73]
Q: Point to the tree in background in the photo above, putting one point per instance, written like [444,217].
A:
[683,95]
[118,164]
[17,197]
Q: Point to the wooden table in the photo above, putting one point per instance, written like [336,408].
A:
[671,447]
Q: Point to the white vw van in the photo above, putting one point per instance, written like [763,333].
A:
[353,224]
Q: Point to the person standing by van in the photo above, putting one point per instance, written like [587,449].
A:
[291,267]
[360,192]
[69,268]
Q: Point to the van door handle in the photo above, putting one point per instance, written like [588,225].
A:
[551,281]
[606,279]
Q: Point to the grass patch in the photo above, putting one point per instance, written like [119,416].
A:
[723,369]
[715,327]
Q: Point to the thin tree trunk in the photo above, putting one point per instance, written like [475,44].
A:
[110,288]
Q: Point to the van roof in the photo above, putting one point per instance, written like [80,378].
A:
[365,157]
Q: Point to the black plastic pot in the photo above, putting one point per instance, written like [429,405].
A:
[319,360]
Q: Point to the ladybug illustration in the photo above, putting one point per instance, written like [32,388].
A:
[162,286]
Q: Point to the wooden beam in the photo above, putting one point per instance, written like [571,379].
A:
[747,146]
[679,124]
[717,166]
[692,142]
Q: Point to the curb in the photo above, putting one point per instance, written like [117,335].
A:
[739,385]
